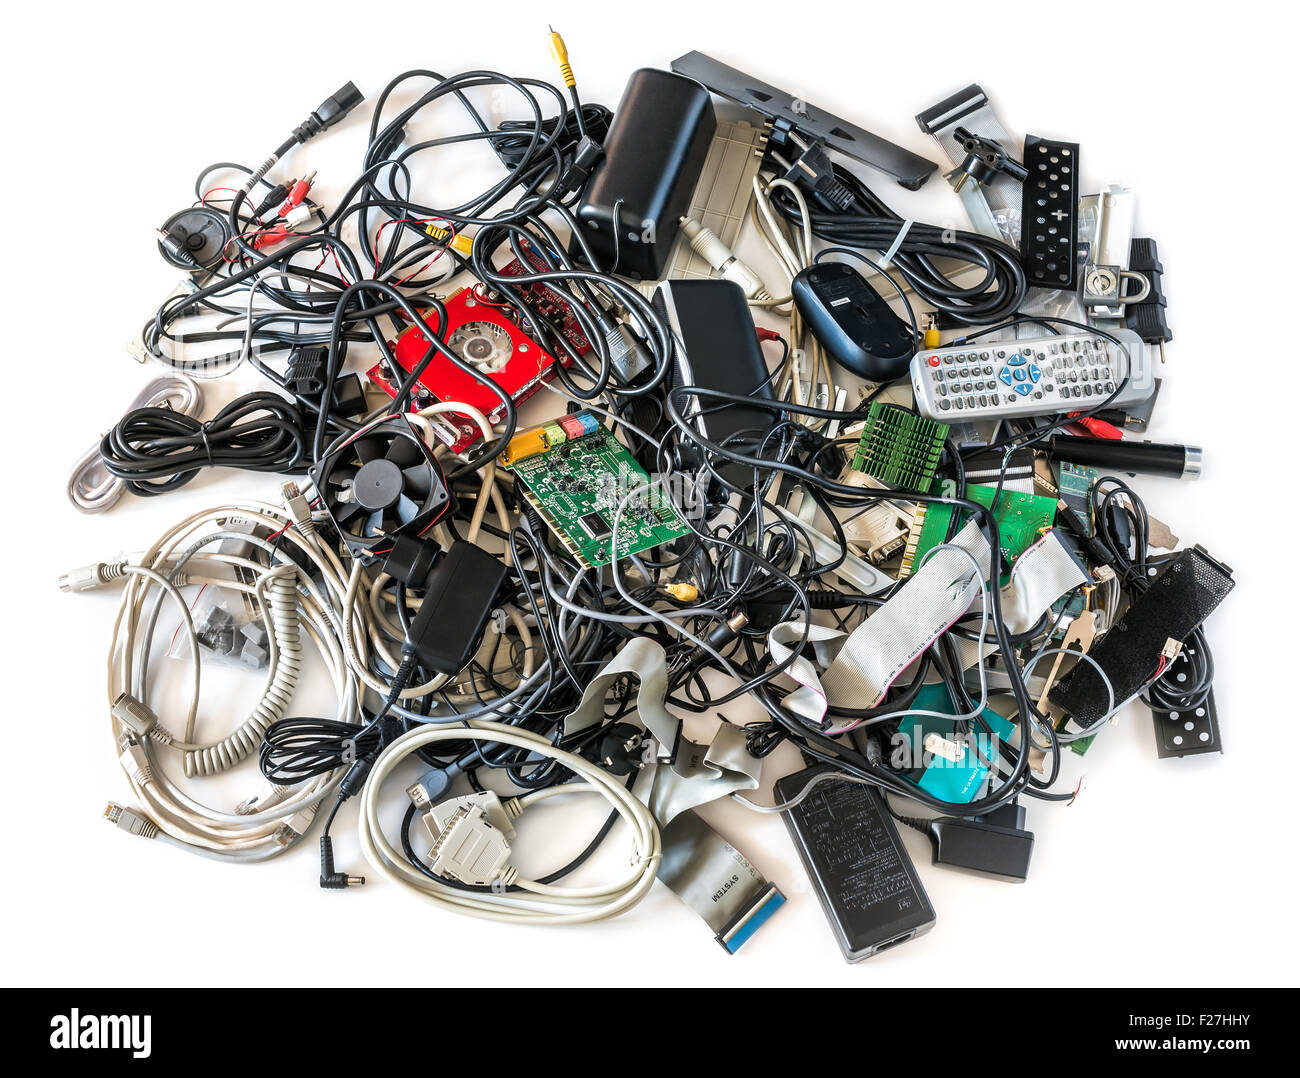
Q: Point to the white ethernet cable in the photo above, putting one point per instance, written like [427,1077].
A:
[263,826]
[540,903]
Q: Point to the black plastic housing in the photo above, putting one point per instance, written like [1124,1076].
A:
[461,594]
[858,865]
[853,322]
[715,346]
[654,154]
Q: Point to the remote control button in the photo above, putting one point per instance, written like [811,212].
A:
[958,403]
[1023,390]
[934,361]
[1035,374]
[1005,376]
[1016,360]
[944,405]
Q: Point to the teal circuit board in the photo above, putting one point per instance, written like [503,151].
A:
[578,485]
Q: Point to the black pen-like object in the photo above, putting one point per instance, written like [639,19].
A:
[1115,454]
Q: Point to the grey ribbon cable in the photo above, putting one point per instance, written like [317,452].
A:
[699,865]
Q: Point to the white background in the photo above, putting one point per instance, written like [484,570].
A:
[1167,871]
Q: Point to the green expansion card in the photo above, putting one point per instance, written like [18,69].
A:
[576,486]
[899,448]
[1075,482]
[1020,518]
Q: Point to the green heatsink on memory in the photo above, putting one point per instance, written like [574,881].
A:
[899,448]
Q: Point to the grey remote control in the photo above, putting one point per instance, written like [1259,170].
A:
[1072,372]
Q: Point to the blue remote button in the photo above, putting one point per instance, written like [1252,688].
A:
[1019,374]
[1034,374]
[1005,376]
[1023,390]
[1017,360]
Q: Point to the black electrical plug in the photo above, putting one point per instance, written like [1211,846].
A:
[986,159]
[813,172]
[586,157]
[329,112]
[621,748]
[996,842]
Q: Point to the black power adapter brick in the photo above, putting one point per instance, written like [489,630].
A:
[852,852]
[996,842]
[462,589]
[715,346]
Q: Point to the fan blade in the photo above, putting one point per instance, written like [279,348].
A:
[345,511]
[368,449]
[404,452]
[374,524]
[407,510]
[341,476]
[417,481]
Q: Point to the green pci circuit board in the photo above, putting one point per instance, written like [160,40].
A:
[1075,482]
[1020,517]
[577,486]
[899,448]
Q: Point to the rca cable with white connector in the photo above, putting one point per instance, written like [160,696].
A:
[705,243]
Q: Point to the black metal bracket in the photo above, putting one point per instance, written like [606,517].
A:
[782,108]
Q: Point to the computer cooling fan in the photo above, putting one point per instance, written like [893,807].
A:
[383,483]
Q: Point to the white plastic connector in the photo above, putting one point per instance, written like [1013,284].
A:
[297,216]
[938,745]
[135,762]
[90,577]
[299,509]
[705,243]
[134,715]
[471,838]
[135,823]
[294,827]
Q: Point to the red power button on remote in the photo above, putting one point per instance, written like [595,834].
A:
[934,361]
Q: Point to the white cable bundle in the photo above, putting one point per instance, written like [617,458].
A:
[291,604]
[544,903]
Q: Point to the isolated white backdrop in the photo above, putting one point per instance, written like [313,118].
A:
[1175,871]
